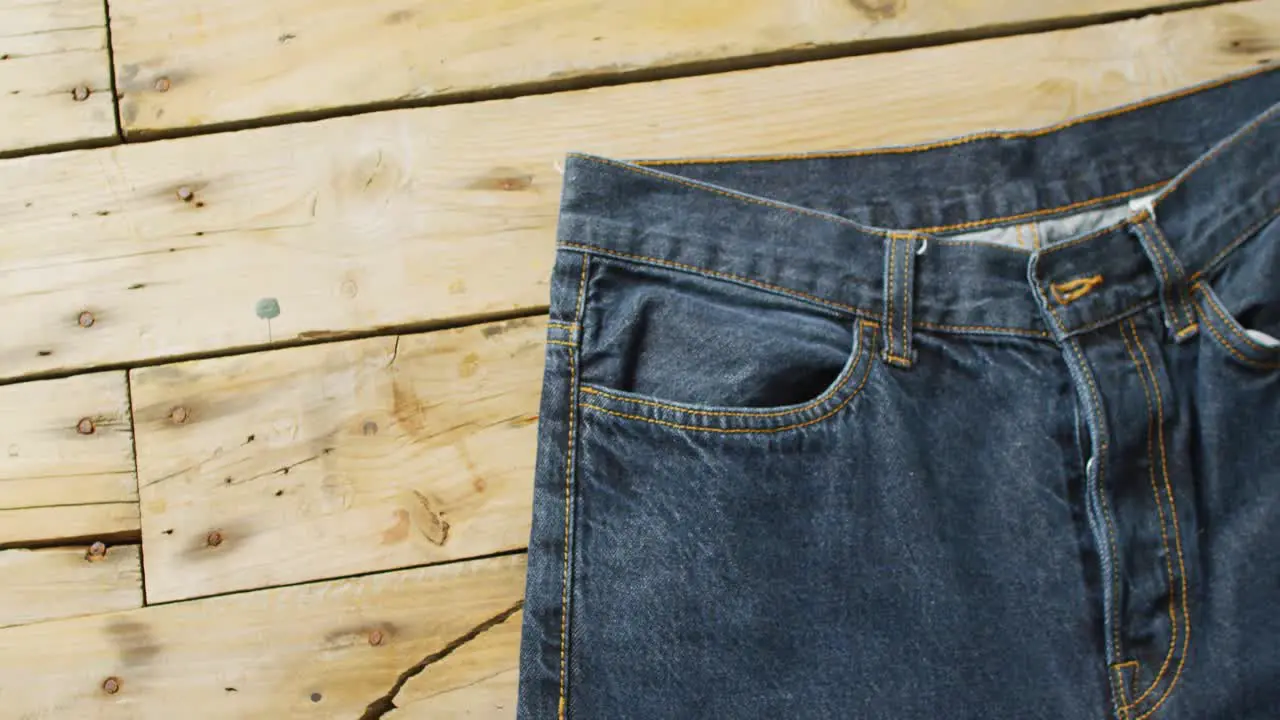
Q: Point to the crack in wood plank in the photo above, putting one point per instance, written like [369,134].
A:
[382,705]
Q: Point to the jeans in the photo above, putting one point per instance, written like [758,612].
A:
[983,428]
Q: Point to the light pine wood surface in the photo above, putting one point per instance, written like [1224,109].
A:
[326,650]
[66,460]
[62,582]
[307,463]
[227,60]
[55,75]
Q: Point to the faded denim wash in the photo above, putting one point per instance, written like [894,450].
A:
[1016,457]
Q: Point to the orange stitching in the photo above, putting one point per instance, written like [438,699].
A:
[563,325]
[1187,331]
[582,290]
[568,479]
[905,312]
[987,135]
[789,291]
[1155,495]
[898,358]
[890,300]
[1167,247]
[1045,211]
[1166,289]
[1119,680]
[1235,242]
[1177,536]
[1231,325]
[1035,229]
[835,388]
[1102,464]
[633,167]
[714,273]
[866,360]
[561,342]
[640,167]
[1226,345]
[1072,290]
[1017,231]
[564,577]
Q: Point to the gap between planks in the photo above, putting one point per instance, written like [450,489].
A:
[756,61]
[338,578]
[320,338]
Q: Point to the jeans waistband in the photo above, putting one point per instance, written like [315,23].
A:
[1202,163]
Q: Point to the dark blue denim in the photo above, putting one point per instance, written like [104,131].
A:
[1016,457]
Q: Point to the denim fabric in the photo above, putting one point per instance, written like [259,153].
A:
[1018,456]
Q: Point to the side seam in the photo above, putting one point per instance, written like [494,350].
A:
[570,458]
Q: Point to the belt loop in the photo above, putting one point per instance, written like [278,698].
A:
[1175,294]
[901,250]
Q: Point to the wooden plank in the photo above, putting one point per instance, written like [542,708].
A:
[65,582]
[416,216]
[66,460]
[335,459]
[298,652]
[228,60]
[60,525]
[48,50]
[481,682]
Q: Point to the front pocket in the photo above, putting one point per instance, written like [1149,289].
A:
[1221,324]
[684,416]
[680,348]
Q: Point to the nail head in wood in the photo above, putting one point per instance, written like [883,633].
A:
[179,415]
[375,638]
[214,539]
[97,550]
[80,93]
[162,84]
[111,685]
[86,319]
[186,194]
[85,426]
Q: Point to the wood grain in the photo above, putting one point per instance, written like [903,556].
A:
[61,525]
[299,652]
[335,459]
[66,582]
[48,49]
[417,216]
[227,60]
[66,460]
[481,683]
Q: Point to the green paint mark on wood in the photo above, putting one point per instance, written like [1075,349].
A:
[267,308]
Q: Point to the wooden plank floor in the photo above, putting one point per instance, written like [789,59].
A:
[272,359]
